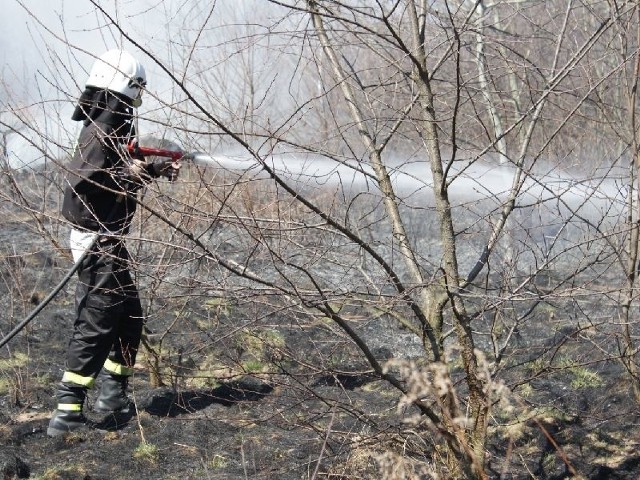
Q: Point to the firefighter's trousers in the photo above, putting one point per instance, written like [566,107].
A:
[108,323]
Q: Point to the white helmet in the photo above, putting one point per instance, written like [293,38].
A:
[118,71]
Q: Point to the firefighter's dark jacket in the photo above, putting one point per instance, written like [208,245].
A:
[100,192]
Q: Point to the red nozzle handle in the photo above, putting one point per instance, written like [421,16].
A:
[136,150]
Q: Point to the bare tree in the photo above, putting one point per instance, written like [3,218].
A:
[410,168]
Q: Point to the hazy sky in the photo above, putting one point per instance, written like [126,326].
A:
[39,38]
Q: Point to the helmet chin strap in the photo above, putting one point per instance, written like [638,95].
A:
[135,103]
[134,124]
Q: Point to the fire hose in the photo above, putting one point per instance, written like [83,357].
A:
[138,151]
[135,151]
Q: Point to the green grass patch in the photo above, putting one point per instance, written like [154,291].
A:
[585,378]
[146,451]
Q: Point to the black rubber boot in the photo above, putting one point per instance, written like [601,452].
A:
[68,417]
[113,394]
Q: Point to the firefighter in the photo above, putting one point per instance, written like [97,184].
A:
[100,200]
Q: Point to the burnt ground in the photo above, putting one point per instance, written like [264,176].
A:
[223,394]
[275,424]
[246,389]
[258,424]
[267,424]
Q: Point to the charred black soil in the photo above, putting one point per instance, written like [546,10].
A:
[232,385]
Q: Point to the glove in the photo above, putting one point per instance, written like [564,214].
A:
[139,169]
[167,168]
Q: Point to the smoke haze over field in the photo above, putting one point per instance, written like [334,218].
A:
[48,47]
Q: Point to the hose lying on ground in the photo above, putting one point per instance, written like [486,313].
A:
[48,298]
